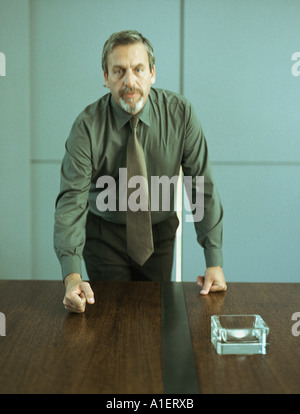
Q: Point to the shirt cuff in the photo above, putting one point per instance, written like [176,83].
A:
[70,264]
[213,257]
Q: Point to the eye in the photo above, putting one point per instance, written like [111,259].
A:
[118,72]
[139,70]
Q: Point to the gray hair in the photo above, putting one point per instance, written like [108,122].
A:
[126,37]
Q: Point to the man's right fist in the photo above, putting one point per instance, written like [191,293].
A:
[77,294]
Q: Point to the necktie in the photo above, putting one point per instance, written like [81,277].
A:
[138,223]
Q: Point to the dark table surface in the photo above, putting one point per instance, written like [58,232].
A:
[115,347]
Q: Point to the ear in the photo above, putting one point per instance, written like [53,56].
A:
[152,75]
[106,79]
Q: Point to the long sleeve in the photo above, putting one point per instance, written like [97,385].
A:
[195,163]
[72,202]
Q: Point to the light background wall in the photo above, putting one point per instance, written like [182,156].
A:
[231,59]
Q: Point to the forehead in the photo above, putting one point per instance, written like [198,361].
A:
[132,54]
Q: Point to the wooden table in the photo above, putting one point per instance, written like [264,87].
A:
[115,347]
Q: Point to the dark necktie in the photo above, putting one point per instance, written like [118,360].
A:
[138,223]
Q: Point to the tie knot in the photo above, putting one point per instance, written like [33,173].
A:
[134,121]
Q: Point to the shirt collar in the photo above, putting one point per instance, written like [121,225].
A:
[122,117]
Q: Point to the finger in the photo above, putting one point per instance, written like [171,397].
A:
[207,285]
[74,309]
[83,300]
[200,281]
[74,303]
[88,293]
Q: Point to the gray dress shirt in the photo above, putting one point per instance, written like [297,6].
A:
[171,136]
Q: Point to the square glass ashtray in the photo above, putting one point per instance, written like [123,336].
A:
[239,334]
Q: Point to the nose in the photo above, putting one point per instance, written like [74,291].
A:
[129,78]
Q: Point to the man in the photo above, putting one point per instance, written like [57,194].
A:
[169,135]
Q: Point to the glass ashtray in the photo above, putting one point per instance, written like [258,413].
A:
[239,334]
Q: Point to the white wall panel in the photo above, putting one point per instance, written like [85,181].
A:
[15,191]
[67,38]
[261,225]
[237,73]
[45,181]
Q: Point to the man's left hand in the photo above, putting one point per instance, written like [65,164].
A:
[212,281]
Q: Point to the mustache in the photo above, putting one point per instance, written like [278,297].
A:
[126,89]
